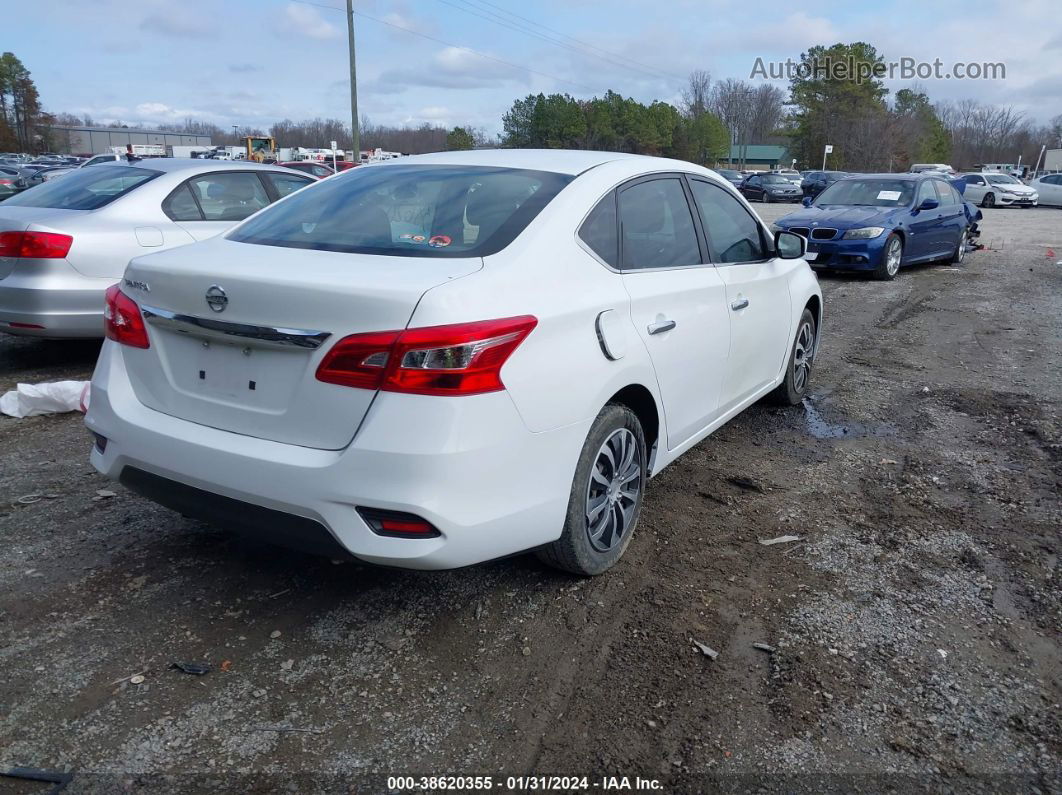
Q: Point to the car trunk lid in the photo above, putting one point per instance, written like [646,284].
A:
[237,332]
[19,219]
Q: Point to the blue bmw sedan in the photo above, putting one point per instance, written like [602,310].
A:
[880,222]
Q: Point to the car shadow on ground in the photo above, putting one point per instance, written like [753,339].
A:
[27,358]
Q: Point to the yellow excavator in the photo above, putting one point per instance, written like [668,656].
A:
[261,150]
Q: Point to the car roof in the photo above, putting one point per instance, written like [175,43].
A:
[561,161]
[171,164]
[902,176]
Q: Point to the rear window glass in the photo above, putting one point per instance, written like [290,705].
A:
[408,210]
[84,188]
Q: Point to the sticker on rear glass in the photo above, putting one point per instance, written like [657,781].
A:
[439,241]
[418,238]
[889,195]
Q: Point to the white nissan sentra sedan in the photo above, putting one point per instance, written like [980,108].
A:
[63,243]
[454,357]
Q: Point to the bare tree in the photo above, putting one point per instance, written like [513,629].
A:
[696,94]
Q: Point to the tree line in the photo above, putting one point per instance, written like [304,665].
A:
[869,129]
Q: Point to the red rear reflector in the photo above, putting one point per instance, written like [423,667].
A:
[24,325]
[397,524]
[460,359]
[34,245]
[122,321]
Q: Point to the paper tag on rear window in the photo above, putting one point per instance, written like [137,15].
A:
[889,195]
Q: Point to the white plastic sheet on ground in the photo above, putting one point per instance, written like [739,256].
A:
[31,400]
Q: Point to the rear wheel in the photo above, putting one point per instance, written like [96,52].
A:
[606,497]
[960,250]
[891,256]
[794,386]
[989,200]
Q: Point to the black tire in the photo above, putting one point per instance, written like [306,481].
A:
[794,387]
[574,551]
[989,200]
[960,250]
[884,272]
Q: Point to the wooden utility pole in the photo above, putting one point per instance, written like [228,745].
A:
[353,84]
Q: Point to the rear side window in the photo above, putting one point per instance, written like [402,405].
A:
[84,188]
[599,230]
[180,205]
[733,234]
[287,183]
[229,196]
[656,226]
[409,210]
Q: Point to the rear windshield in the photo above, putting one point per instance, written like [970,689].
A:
[84,188]
[408,210]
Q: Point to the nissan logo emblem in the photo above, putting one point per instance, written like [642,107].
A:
[216,298]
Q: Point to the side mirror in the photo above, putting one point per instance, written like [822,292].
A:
[806,201]
[929,204]
[789,245]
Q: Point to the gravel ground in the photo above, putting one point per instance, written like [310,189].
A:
[915,628]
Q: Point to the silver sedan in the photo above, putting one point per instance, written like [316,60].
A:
[63,243]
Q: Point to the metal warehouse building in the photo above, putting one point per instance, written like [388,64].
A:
[94,140]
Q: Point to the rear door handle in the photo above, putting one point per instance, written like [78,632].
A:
[661,326]
[740,303]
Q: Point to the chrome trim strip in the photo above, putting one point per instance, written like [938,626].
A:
[259,336]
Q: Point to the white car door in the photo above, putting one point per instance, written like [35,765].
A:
[1050,189]
[678,301]
[209,204]
[757,291]
[976,187]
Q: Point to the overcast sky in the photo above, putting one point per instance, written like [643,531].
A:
[257,61]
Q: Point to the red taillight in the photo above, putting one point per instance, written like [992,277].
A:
[462,359]
[34,245]
[6,182]
[122,320]
[397,524]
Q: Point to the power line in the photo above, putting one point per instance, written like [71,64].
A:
[609,58]
[581,43]
[449,44]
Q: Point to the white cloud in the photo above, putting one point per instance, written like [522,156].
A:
[308,22]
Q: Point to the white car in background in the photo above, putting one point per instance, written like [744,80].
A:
[64,242]
[450,358]
[790,174]
[1049,188]
[995,189]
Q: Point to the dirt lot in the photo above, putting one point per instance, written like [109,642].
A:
[915,628]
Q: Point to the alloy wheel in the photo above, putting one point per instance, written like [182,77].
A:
[614,490]
[892,256]
[803,356]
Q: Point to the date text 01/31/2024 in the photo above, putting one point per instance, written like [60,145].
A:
[521,783]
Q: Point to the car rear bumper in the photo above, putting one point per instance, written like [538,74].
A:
[50,299]
[469,466]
